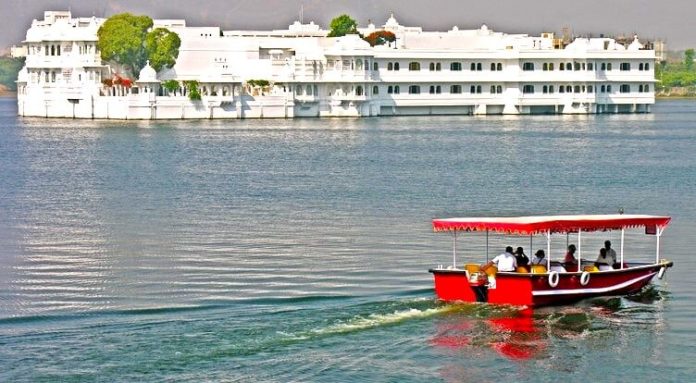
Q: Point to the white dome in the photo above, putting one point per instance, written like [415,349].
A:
[147,74]
[635,45]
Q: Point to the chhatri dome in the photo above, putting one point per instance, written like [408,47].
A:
[147,74]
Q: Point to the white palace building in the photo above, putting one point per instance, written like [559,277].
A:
[464,72]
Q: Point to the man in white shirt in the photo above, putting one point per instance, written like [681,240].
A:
[505,261]
[610,252]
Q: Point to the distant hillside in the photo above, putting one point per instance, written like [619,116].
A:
[9,68]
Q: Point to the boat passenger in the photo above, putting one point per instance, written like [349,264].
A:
[570,259]
[521,257]
[610,252]
[539,258]
[505,261]
[604,258]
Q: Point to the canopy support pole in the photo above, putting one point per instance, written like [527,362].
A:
[548,250]
[454,250]
[657,250]
[579,249]
[531,244]
[486,246]
[622,246]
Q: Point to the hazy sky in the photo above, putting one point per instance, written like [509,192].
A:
[670,20]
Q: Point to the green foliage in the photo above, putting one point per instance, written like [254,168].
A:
[162,47]
[192,88]
[342,25]
[689,59]
[9,68]
[380,38]
[121,40]
[259,83]
[172,86]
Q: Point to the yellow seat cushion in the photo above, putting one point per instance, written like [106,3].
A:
[472,268]
[591,268]
[538,269]
[522,269]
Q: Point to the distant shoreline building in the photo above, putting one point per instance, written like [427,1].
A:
[459,72]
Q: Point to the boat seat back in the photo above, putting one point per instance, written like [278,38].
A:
[590,269]
[491,270]
[605,267]
[472,268]
[522,269]
[538,269]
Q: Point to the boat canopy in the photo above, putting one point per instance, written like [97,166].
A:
[553,224]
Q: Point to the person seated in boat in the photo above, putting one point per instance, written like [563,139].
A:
[505,261]
[610,252]
[604,258]
[521,257]
[539,258]
[570,261]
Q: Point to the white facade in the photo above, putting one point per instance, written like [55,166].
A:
[454,72]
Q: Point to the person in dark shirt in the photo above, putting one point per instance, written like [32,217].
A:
[521,257]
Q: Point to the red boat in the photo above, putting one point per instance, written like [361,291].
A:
[551,283]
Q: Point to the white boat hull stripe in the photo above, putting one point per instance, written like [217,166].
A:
[596,290]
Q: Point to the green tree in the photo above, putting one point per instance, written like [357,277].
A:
[689,59]
[172,86]
[342,25]
[162,47]
[193,92]
[121,40]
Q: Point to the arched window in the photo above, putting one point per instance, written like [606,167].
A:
[375,66]
[603,89]
[561,89]
[478,88]
[640,87]
[438,67]
[590,89]
[493,89]
[577,89]
[545,89]
[308,90]
[608,66]
[396,66]
[472,89]
[298,90]
[478,67]
[397,89]
[390,66]
[499,66]
[472,67]
[646,66]
[375,90]
[492,66]
[569,89]
[53,50]
[359,90]
[550,88]
[390,89]
[432,67]
[413,65]
[545,67]
[550,66]
[432,89]
[640,66]
[438,89]
[561,67]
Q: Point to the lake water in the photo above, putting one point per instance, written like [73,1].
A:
[298,250]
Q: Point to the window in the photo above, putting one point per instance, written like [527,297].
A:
[478,67]
[414,89]
[625,66]
[545,67]
[562,67]
[577,66]
[561,89]
[472,67]
[550,66]
[432,89]
[608,66]
[496,89]
[646,87]
[414,65]
[545,89]
[396,89]
[308,90]
[603,89]
[604,66]
[499,66]
[438,89]
[569,89]
[375,66]
[625,88]
[390,66]
[492,66]
[528,89]
[640,87]
[550,88]
[590,66]
[396,66]
[646,66]
[640,66]
[528,66]
[432,67]
[472,90]
[438,67]
[455,89]
[577,89]
[298,90]
[359,90]
[375,90]
[456,66]
[608,88]
[590,89]
[390,89]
